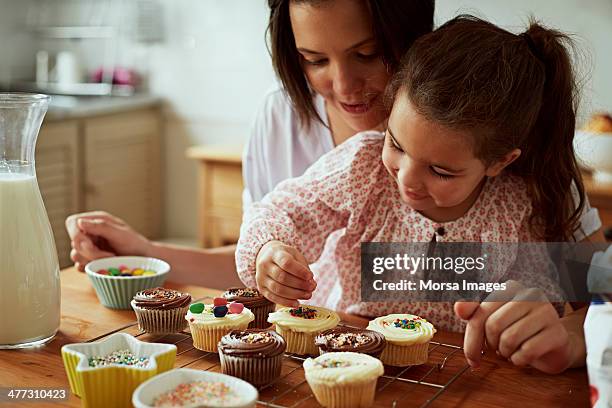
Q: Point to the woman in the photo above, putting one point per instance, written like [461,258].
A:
[334,59]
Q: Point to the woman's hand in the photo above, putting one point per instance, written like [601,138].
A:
[99,234]
[523,327]
[283,275]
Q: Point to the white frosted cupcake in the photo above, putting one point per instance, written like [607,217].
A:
[299,326]
[343,379]
[407,338]
[208,323]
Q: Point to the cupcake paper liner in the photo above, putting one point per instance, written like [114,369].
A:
[299,342]
[157,321]
[402,356]
[353,395]
[257,371]
[261,316]
[206,338]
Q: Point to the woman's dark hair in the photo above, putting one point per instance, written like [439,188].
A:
[396,24]
[509,91]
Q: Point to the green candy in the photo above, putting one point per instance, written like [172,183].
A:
[114,271]
[196,308]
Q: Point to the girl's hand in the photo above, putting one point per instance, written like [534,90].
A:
[525,329]
[99,234]
[283,275]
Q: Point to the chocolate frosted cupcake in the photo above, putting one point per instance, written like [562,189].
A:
[254,355]
[351,339]
[255,302]
[161,310]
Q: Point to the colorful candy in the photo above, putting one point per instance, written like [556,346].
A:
[220,311]
[124,271]
[236,308]
[119,357]
[303,312]
[220,301]
[196,308]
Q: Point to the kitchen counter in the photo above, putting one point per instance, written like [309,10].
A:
[446,381]
[70,107]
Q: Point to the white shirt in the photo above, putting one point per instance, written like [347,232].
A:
[279,148]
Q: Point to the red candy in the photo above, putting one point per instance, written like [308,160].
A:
[123,267]
[103,272]
[236,308]
[220,301]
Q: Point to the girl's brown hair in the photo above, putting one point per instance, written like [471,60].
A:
[396,24]
[509,91]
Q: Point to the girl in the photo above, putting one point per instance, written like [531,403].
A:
[477,111]
[334,59]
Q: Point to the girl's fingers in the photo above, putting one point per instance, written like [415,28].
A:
[539,351]
[278,299]
[284,278]
[285,291]
[465,310]
[289,264]
[502,319]
[511,338]
[474,338]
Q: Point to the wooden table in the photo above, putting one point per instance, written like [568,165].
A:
[496,384]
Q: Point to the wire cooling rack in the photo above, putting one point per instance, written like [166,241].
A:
[414,386]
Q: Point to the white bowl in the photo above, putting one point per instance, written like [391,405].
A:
[117,292]
[594,152]
[146,392]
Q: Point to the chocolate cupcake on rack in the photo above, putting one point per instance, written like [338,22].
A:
[254,355]
[161,310]
[255,302]
[351,339]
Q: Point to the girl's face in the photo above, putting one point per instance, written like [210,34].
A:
[341,59]
[434,166]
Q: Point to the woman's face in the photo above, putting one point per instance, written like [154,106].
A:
[434,167]
[341,59]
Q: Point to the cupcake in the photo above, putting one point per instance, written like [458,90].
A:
[253,300]
[161,310]
[343,380]
[299,326]
[208,323]
[254,355]
[351,339]
[407,338]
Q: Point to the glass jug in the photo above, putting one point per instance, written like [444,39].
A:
[29,269]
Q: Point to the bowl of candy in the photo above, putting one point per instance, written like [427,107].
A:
[117,279]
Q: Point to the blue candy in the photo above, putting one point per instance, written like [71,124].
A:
[220,311]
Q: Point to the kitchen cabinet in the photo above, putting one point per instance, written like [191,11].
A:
[109,162]
[220,194]
[59,178]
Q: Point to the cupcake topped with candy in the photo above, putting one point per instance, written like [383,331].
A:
[253,300]
[209,322]
[300,325]
[351,339]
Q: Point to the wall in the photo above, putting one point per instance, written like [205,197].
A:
[213,68]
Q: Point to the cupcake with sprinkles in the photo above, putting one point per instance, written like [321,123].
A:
[255,302]
[208,323]
[343,379]
[300,325]
[353,339]
[254,355]
[407,336]
[161,310]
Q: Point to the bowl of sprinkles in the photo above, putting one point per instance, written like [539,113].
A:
[185,387]
[117,279]
[95,369]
